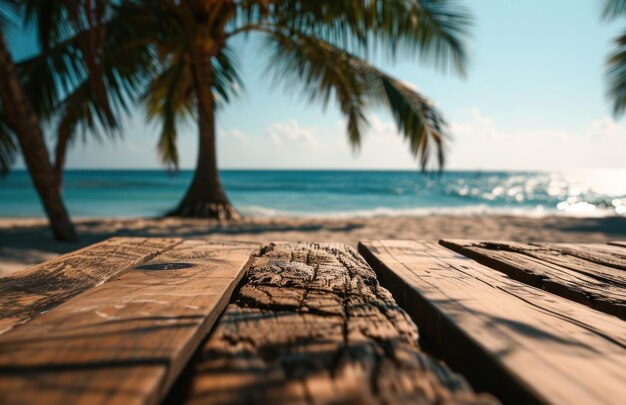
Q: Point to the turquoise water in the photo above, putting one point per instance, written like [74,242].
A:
[135,193]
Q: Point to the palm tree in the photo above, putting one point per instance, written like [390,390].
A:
[21,125]
[86,75]
[616,63]
[322,45]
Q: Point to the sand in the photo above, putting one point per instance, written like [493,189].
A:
[25,242]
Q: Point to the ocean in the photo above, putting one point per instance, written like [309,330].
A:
[333,193]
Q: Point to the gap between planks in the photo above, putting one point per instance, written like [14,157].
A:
[312,325]
[519,342]
[549,268]
[620,243]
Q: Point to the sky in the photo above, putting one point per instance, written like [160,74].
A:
[533,99]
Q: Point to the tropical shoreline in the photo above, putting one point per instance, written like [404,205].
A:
[333,194]
[27,241]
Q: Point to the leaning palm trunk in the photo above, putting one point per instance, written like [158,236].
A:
[23,121]
[205,197]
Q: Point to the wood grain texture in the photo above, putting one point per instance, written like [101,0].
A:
[311,325]
[28,293]
[517,341]
[595,285]
[123,342]
[599,253]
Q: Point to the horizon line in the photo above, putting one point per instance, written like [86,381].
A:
[417,169]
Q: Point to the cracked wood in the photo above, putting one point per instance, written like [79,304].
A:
[551,267]
[127,340]
[311,324]
[26,294]
[606,255]
[517,341]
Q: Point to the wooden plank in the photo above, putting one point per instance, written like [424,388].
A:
[28,293]
[618,243]
[517,341]
[551,253]
[600,253]
[123,342]
[309,325]
[600,287]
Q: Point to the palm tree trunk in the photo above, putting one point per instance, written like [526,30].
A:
[205,197]
[60,151]
[24,122]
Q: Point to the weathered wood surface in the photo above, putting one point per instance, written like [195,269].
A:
[26,294]
[603,254]
[517,341]
[311,324]
[618,243]
[600,287]
[123,342]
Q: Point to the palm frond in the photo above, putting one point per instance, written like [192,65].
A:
[8,148]
[169,100]
[616,76]
[227,82]
[327,71]
[58,76]
[9,10]
[614,8]
[91,68]
[436,30]
[422,125]
[79,114]
[50,18]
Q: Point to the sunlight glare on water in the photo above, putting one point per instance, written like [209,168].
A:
[593,190]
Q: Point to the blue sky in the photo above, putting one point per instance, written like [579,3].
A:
[533,99]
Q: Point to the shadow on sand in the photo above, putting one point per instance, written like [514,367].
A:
[612,226]
[31,244]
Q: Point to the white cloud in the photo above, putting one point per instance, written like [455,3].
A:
[477,125]
[382,146]
[606,128]
[479,142]
[125,143]
[291,132]
[377,130]
[234,134]
[381,129]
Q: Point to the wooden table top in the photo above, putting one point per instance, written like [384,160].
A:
[165,320]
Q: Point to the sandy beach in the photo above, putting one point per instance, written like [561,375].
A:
[25,242]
